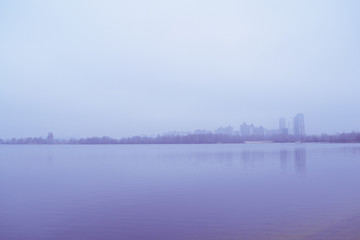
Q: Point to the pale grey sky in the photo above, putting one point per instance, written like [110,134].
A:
[122,68]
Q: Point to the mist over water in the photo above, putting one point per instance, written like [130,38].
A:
[232,191]
[151,73]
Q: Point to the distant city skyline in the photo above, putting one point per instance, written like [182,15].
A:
[297,129]
[243,130]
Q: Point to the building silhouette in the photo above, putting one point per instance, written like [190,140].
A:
[283,130]
[282,123]
[245,130]
[299,125]
[225,130]
[258,131]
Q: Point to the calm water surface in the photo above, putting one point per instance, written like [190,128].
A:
[187,192]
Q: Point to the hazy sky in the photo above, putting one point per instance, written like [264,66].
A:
[122,68]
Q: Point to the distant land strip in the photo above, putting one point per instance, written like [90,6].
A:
[208,138]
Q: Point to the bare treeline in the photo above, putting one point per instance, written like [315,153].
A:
[187,139]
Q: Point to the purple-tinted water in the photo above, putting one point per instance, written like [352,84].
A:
[170,192]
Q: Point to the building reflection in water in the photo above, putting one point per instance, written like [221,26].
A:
[283,159]
[351,151]
[300,160]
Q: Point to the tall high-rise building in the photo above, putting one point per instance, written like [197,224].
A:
[282,126]
[299,125]
[282,123]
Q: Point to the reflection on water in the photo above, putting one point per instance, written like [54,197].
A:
[190,192]
[300,160]
[283,159]
[247,158]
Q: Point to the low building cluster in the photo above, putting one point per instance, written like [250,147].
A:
[249,130]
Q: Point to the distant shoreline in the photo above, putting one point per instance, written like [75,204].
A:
[210,138]
[246,142]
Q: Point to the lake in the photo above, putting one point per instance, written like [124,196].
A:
[180,192]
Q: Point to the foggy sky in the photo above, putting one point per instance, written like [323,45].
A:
[122,68]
